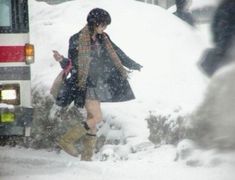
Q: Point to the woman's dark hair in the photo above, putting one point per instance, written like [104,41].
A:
[98,17]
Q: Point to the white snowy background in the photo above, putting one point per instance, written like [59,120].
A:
[169,83]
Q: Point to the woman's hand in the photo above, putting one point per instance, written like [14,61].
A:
[138,67]
[58,57]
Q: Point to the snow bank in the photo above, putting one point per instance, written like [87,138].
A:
[166,47]
[170,81]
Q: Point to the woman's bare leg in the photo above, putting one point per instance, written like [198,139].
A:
[94,114]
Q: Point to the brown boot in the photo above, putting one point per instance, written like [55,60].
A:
[89,142]
[68,139]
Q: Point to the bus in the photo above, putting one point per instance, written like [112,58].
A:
[16,55]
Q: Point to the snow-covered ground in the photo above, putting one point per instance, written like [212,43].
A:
[169,50]
[149,164]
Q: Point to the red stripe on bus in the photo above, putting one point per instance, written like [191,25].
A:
[12,54]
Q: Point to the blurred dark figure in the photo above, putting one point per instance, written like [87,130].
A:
[223,31]
[214,120]
[182,11]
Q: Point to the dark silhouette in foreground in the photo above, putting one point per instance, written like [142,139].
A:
[182,11]
[214,120]
[223,31]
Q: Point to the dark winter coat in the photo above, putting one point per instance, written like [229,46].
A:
[223,31]
[119,88]
[223,26]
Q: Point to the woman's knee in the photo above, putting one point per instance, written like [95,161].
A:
[98,117]
[95,116]
[94,110]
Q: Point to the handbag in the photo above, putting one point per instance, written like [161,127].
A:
[58,83]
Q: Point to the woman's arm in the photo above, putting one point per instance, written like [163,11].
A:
[60,58]
[126,61]
[73,49]
[72,53]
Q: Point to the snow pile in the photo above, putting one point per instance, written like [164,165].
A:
[214,120]
[150,163]
[169,84]
[166,47]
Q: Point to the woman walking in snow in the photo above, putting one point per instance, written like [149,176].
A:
[97,75]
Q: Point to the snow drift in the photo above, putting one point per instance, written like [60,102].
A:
[166,47]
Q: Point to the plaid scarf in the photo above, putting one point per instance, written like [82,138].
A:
[84,59]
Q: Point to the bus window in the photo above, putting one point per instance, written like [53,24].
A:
[14,16]
[5,13]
